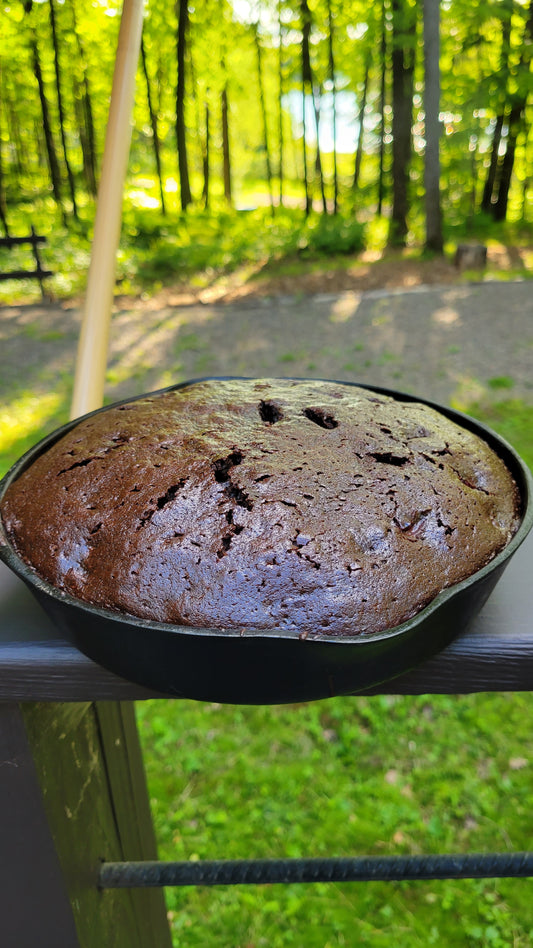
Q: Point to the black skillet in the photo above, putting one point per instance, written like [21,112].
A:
[251,666]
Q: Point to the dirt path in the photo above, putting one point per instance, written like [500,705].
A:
[447,343]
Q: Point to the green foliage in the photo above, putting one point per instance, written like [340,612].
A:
[484,63]
[333,235]
[161,250]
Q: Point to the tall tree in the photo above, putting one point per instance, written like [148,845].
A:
[226,153]
[307,80]
[3,211]
[206,156]
[403,67]
[310,87]
[51,153]
[502,79]
[360,134]
[515,118]
[318,157]
[280,101]
[84,107]
[434,240]
[268,162]
[382,103]
[333,82]
[155,126]
[181,136]
[60,108]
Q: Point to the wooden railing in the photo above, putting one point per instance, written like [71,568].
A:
[39,273]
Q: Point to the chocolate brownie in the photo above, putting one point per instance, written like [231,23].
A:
[310,506]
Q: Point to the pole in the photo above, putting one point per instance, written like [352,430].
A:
[94,336]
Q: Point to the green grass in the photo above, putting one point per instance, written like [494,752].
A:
[500,382]
[513,419]
[377,775]
[28,418]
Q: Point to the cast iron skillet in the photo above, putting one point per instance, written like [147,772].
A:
[251,666]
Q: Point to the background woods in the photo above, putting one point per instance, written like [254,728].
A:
[325,107]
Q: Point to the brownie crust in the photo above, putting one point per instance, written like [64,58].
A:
[310,506]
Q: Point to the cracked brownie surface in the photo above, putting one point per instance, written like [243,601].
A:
[312,506]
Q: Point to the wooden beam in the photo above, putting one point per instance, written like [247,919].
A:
[91,773]
[34,904]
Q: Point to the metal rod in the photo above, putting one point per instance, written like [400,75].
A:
[115,875]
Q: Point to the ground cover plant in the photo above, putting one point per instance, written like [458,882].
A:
[249,248]
[382,775]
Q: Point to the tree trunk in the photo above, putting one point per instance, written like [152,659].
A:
[499,209]
[332,79]
[490,181]
[280,104]
[515,122]
[19,157]
[206,157]
[434,240]
[307,81]
[86,123]
[154,124]
[361,119]
[382,91]
[53,164]
[307,193]
[489,188]
[318,159]
[61,111]
[255,28]
[3,212]
[403,62]
[226,154]
[181,141]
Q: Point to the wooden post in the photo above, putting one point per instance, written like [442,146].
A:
[90,769]
[34,905]
[94,336]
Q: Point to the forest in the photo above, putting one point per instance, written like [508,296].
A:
[347,123]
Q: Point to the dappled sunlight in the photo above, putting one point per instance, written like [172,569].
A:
[509,257]
[141,199]
[455,294]
[443,343]
[345,307]
[143,343]
[26,414]
[446,316]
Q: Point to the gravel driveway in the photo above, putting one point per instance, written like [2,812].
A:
[449,343]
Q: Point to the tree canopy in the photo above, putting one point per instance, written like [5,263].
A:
[310,103]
